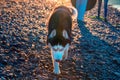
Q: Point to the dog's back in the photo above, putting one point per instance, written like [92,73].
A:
[60,20]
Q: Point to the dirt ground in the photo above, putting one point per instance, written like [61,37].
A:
[24,55]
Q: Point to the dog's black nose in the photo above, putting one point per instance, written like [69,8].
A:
[58,60]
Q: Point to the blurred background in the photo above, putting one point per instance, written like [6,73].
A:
[115,3]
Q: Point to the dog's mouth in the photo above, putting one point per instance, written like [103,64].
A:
[58,61]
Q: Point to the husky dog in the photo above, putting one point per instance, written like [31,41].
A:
[59,34]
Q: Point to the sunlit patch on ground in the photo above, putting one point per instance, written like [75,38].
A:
[94,52]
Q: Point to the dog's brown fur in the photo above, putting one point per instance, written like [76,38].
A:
[60,20]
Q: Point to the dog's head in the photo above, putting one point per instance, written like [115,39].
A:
[58,48]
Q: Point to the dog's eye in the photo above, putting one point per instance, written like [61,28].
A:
[55,49]
[58,49]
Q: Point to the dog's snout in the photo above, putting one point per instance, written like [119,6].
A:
[58,60]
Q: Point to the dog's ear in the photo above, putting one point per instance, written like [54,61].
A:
[52,34]
[65,34]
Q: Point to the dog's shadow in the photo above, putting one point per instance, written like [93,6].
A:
[93,51]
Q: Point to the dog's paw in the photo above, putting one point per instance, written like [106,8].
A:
[56,71]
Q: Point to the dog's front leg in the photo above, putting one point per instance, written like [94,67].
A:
[66,51]
[55,64]
[56,67]
[66,54]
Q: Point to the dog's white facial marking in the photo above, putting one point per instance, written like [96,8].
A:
[58,52]
[52,34]
[65,34]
